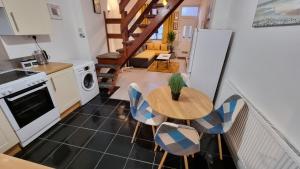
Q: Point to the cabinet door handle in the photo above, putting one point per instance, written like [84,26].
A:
[53,84]
[14,20]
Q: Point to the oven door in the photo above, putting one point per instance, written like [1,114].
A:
[29,104]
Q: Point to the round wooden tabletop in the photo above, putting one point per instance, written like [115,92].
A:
[192,104]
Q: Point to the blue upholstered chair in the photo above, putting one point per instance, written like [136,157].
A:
[220,120]
[141,111]
[178,140]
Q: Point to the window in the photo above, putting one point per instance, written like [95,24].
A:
[159,34]
[189,11]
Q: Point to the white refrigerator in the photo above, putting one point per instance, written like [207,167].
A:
[206,60]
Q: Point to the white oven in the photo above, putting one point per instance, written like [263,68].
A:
[31,110]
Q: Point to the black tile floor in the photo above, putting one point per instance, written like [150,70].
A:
[98,135]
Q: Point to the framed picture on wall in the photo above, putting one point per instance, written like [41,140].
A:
[175,25]
[176,15]
[54,11]
[277,13]
[97,6]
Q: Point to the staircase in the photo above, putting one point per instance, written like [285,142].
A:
[130,47]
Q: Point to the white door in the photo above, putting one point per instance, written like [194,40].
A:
[188,21]
[28,17]
[208,60]
[65,89]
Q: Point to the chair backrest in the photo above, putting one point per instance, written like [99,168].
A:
[136,97]
[220,120]
[229,110]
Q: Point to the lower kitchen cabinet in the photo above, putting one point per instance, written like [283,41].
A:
[8,138]
[65,88]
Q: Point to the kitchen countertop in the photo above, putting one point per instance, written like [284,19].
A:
[52,67]
[9,162]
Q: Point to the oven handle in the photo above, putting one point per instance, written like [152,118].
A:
[26,93]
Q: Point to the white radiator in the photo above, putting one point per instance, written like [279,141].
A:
[253,140]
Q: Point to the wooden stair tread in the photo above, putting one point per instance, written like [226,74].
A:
[111,66]
[143,25]
[135,34]
[104,85]
[114,36]
[120,50]
[150,16]
[112,55]
[128,42]
[113,20]
[159,5]
[106,75]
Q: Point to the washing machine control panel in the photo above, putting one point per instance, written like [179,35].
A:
[86,68]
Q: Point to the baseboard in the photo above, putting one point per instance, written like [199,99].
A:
[70,110]
[14,150]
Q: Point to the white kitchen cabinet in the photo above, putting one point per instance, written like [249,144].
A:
[24,17]
[65,89]
[1,4]
[8,138]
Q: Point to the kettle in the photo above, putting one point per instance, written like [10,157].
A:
[41,57]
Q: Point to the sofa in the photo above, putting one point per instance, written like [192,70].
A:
[145,58]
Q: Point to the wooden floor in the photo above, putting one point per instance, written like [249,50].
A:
[145,79]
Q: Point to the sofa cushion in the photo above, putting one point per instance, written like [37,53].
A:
[147,54]
[157,52]
[156,46]
[150,46]
[164,47]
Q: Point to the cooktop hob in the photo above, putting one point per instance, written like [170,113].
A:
[9,76]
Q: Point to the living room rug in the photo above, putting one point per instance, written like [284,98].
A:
[163,67]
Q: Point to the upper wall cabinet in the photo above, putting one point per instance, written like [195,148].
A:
[24,17]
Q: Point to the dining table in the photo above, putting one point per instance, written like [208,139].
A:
[192,104]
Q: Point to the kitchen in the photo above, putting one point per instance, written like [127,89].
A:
[51,91]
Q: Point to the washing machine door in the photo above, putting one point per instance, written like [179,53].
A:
[88,82]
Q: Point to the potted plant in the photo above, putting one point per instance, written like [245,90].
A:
[171,39]
[176,83]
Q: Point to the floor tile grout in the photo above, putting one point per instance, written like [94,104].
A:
[58,147]
[76,155]
[128,155]
[107,147]
[114,132]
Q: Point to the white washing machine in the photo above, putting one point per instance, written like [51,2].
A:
[86,79]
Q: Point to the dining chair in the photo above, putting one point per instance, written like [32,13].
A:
[141,110]
[176,139]
[220,120]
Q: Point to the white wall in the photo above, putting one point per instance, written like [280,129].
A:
[95,29]
[220,14]
[65,42]
[264,64]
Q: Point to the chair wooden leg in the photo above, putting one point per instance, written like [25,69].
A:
[220,146]
[153,131]
[135,131]
[155,148]
[188,122]
[186,162]
[201,135]
[162,160]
